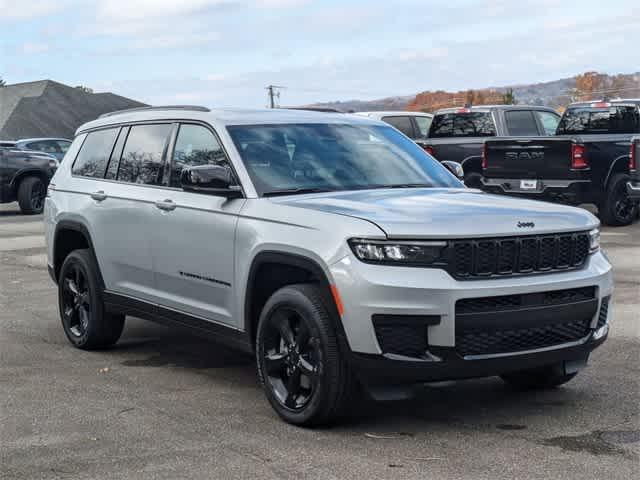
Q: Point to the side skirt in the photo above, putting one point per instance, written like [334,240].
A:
[116,303]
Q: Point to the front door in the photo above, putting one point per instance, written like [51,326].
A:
[193,235]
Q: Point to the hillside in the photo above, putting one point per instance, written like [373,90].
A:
[556,94]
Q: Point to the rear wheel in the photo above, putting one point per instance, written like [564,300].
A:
[473,179]
[305,377]
[618,209]
[31,193]
[539,378]
[84,319]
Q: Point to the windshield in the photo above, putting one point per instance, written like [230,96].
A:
[295,158]
[466,124]
[615,119]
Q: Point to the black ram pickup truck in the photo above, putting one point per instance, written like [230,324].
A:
[587,161]
[457,134]
[633,187]
[24,176]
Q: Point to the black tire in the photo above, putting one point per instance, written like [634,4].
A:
[85,321]
[31,193]
[329,391]
[538,379]
[473,179]
[618,209]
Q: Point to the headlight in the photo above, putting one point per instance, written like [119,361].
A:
[414,253]
[594,240]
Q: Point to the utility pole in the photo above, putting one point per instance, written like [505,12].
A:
[274,92]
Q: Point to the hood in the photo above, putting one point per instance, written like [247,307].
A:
[446,213]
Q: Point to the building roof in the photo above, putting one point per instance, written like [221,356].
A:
[50,109]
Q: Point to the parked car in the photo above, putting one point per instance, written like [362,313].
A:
[633,187]
[586,162]
[414,125]
[330,247]
[24,176]
[53,146]
[457,134]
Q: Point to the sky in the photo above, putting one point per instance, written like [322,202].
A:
[223,53]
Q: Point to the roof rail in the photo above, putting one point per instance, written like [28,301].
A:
[196,108]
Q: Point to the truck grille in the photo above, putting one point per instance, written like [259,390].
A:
[517,255]
[514,302]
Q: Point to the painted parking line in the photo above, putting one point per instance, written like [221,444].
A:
[21,243]
[17,228]
[615,234]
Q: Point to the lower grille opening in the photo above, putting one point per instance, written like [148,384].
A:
[603,315]
[403,334]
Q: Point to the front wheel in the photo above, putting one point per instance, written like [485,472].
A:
[538,378]
[304,375]
[31,193]
[618,209]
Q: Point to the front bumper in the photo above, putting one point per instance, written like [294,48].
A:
[569,191]
[372,291]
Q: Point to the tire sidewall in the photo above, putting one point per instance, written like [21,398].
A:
[617,187]
[320,402]
[25,189]
[82,258]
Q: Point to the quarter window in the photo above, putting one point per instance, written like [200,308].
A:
[549,122]
[521,123]
[94,153]
[423,125]
[142,157]
[195,145]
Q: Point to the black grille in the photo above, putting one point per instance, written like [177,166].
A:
[505,341]
[519,255]
[407,340]
[604,312]
[514,302]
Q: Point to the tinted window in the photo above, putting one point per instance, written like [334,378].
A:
[63,145]
[334,157]
[47,146]
[615,119]
[195,145]
[401,123]
[423,126]
[94,153]
[521,123]
[112,169]
[472,124]
[142,157]
[549,122]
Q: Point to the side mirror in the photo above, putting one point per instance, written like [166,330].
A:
[455,168]
[210,179]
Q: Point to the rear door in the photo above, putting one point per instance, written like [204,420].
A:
[193,234]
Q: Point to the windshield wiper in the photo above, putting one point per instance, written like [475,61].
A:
[295,191]
[403,185]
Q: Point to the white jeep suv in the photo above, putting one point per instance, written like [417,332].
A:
[331,247]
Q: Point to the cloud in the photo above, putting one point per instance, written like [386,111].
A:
[27,9]
[31,48]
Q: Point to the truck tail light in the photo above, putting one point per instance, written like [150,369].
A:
[578,158]
[484,156]
[429,150]
[633,161]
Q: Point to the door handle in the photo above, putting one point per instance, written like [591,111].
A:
[99,196]
[166,205]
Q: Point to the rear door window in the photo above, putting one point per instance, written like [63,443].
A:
[94,153]
[195,145]
[402,123]
[143,155]
[470,124]
[549,122]
[612,119]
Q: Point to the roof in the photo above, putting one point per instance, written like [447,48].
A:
[50,109]
[484,108]
[388,113]
[40,139]
[224,117]
[635,101]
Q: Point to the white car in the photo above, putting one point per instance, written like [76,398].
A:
[414,125]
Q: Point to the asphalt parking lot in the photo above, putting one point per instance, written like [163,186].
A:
[165,405]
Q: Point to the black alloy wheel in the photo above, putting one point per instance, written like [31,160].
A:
[38,193]
[76,306]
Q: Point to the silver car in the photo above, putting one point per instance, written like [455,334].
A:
[329,246]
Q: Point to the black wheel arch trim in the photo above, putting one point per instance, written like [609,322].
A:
[81,228]
[294,260]
[624,158]
[28,172]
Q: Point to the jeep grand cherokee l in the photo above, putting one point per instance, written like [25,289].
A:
[331,247]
